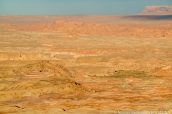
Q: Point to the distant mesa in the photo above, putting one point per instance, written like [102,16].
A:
[153,13]
[157,10]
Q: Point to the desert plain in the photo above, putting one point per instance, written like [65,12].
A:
[85,64]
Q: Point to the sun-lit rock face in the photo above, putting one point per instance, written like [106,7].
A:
[158,10]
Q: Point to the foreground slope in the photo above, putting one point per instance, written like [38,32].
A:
[84,65]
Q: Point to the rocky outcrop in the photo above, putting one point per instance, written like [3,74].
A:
[157,10]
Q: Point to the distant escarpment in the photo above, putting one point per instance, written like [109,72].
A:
[157,10]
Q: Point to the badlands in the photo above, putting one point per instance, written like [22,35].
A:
[85,64]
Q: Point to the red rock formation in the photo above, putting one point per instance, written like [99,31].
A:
[158,10]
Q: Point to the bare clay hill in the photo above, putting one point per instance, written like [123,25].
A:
[85,64]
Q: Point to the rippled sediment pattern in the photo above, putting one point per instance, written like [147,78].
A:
[50,72]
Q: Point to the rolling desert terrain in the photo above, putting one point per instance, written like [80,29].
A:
[85,64]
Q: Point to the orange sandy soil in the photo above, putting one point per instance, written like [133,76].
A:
[84,64]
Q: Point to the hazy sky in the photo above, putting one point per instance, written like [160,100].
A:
[76,7]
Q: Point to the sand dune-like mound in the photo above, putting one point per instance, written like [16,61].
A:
[45,66]
[37,79]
